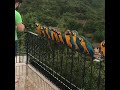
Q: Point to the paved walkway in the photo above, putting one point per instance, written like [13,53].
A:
[28,78]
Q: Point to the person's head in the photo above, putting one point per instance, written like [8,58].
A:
[17,4]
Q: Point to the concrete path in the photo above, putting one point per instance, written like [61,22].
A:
[28,78]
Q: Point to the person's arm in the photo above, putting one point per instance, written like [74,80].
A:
[20,26]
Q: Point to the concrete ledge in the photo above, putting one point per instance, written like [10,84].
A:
[31,79]
[44,78]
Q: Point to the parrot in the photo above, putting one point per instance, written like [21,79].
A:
[102,45]
[60,37]
[38,28]
[56,37]
[66,38]
[87,46]
[73,38]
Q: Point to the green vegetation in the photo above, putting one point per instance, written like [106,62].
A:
[85,16]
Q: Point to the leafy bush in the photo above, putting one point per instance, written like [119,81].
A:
[99,36]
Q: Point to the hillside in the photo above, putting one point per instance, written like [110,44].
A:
[85,16]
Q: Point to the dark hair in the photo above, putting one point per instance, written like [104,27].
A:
[20,1]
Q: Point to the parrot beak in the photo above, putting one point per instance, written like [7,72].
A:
[36,24]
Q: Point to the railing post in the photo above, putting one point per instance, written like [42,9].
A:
[71,71]
[91,74]
[26,43]
[84,62]
[99,77]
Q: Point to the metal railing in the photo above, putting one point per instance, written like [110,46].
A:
[66,68]
[27,77]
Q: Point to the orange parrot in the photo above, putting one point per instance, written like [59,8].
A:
[73,39]
[67,38]
[42,31]
[46,30]
[56,36]
[52,35]
[60,37]
[87,46]
[102,45]
[38,28]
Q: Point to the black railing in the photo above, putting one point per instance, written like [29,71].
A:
[67,68]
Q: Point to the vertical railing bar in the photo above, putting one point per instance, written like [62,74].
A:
[99,76]
[71,79]
[26,41]
[91,74]
[84,62]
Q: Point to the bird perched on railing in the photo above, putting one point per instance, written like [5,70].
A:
[49,32]
[102,45]
[38,27]
[87,46]
[66,38]
[99,52]
[52,34]
[73,38]
[46,32]
[43,34]
[78,42]
[60,37]
[55,34]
